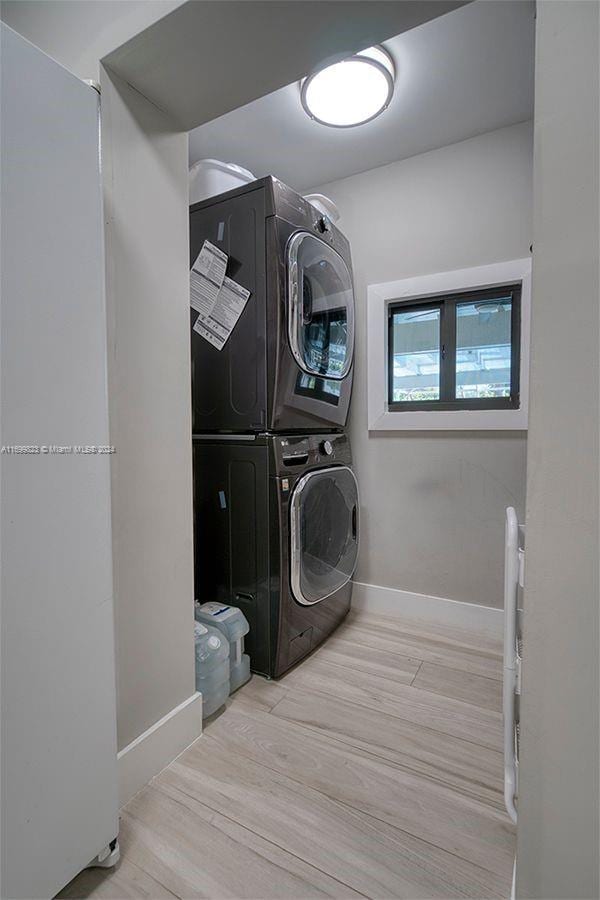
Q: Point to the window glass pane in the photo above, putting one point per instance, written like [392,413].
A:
[483,348]
[415,355]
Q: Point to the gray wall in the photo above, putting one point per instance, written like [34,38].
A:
[57,648]
[433,503]
[78,34]
[144,168]
[558,803]
[146,195]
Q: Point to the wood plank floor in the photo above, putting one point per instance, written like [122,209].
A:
[373,769]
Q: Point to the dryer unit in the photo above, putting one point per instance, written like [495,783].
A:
[287,365]
[277,535]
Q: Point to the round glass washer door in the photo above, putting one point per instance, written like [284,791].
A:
[320,307]
[323,533]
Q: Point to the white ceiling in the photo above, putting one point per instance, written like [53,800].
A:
[465,73]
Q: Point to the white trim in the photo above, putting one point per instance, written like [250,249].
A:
[149,753]
[387,601]
[379,296]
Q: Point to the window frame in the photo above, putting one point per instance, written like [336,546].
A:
[447,305]
[439,284]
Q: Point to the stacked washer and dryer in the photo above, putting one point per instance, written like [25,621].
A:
[275,498]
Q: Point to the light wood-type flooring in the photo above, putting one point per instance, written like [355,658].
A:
[373,769]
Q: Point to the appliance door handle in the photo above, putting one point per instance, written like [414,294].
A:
[305,290]
[354,523]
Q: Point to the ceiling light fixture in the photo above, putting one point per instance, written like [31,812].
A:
[352,91]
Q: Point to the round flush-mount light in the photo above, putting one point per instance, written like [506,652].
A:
[350,92]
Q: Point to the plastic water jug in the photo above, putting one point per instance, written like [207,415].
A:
[233,624]
[212,667]
[209,177]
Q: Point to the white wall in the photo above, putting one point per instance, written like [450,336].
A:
[558,839]
[145,185]
[146,196]
[78,33]
[57,652]
[433,503]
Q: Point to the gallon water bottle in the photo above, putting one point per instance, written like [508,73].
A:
[233,624]
[212,667]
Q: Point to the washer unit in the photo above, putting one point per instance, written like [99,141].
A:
[277,535]
[287,365]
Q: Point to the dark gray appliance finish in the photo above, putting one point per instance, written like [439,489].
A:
[276,533]
[288,363]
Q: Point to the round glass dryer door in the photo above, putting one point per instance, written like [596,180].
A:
[320,307]
[324,533]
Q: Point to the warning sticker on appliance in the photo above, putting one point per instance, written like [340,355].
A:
[206,277]
[211,262]
[216,325]
[203,293]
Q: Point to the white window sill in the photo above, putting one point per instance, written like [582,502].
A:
[380,296]
[451,420]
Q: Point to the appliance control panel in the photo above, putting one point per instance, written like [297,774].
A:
[323,224]
[293,208]
[295,452]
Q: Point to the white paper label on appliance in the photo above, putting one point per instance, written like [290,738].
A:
[206,277]
[203,293]
[216,325]
[212,263]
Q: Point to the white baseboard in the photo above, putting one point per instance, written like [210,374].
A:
[149,753]
[388,601]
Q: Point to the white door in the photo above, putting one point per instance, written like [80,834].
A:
[59,789]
